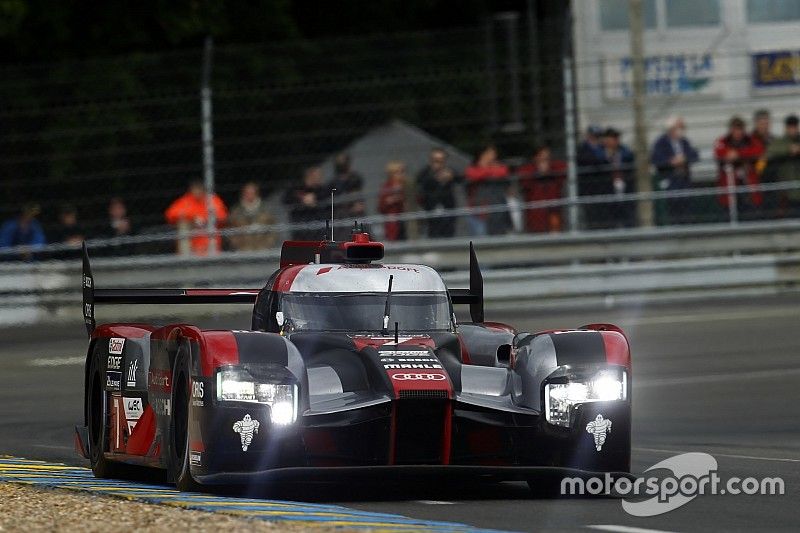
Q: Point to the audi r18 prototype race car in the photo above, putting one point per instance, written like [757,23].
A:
[351,367]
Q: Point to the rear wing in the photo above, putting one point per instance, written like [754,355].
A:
[92,296]
[473,296]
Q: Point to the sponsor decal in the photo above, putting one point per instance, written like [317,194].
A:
[409,360]
[416,376]
[87,282]
[114,362]
[133,411]
[161,406]
[197,394]
[113,380]
[159,380]
[598,428]
[132,367]
[246,428]
[115,345]
[195,458]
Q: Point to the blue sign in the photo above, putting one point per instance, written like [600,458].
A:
[776,69]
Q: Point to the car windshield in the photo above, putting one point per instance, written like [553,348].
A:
[417,311]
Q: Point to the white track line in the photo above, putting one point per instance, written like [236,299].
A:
[435,502]
[711,317]
[625,529]
[58,361]
[716,378]
[729,455]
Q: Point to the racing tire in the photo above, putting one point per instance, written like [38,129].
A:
[179,469]
[97,414]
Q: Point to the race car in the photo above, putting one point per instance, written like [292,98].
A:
[351,367]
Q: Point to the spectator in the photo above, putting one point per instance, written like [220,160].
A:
[119,225]
[762,132]
[783,164]
[543,179]
[190,212]
[23,230]
[736,154]
[308,202]
[590,160]
[618,179]
[251,211]
[392,200]
[762,126]
[68,230]
[349,184]
[487,182]
[672,156]
[436,188]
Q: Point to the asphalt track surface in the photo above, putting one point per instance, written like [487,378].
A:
[721,378]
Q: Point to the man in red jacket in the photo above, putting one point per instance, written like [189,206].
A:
[190,212]
[736,153]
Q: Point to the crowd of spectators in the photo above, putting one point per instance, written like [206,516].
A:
[495,192]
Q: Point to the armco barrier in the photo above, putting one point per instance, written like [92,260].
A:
[594,268]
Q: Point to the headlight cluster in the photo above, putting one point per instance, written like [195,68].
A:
[239,386]
[560,398]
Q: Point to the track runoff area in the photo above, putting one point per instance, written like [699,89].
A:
[61,476]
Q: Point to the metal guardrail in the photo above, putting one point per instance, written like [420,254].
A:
[527,271]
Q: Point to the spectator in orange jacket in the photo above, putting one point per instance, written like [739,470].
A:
[189,212]
[736,153]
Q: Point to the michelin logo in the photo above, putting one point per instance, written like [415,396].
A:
[598,429]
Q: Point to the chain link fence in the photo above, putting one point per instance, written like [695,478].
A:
[101,149]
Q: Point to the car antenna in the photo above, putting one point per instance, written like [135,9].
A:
[333,190]
[396,334]
[387,307]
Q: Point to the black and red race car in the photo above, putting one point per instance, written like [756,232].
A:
[351,367]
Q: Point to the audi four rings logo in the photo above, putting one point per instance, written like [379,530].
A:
[419,377]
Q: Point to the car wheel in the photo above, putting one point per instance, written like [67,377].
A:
[97,402]
[180,470]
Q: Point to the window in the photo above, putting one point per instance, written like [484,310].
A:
[614,14]
[692,12]
[772,10]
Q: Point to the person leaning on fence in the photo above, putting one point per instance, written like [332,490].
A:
[392,200]
[436,184]
[190,213]
[118,225]
[591,160]
[487,181]
[672,156]
[762,132]
[23,230]
[618,179]
[249,213]
[783,165]
[736,153]
[543,179]
[308,202]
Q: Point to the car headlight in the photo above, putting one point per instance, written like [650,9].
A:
[238,386]
[560,398]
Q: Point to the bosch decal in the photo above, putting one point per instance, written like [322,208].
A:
[598,428]
[409,359]
[115,345]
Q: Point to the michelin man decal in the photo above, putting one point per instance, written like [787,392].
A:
[597,428]
[246,428]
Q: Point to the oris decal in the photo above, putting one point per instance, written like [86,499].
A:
[417,376]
